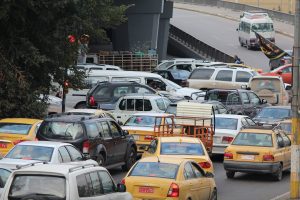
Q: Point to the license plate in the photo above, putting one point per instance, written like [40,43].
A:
[146,190]
[247,157]
[136,137]
[3,145]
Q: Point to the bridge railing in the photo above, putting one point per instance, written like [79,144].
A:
[198,46]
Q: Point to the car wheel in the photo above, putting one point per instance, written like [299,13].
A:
[130,159]
[230,174]
[214,195]
[100,160]
[278,174]
[80,106]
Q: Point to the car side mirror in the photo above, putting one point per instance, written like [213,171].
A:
[288,87]
[263,101]
[121,187]
[209,175]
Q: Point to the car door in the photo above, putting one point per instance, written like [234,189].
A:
[74,153]
[192,185]
[287,152]
[247,107]
[223,79]
[205,183]
[119,140]
[280,150]
[106,143]
[152,149]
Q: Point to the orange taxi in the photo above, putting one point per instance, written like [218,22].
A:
[16,130]
[169,178]
[258,150]
[180,147]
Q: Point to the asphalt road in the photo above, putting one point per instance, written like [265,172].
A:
[242,187]
[221,33]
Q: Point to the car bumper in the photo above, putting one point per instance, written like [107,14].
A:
[219,149]
[251,167]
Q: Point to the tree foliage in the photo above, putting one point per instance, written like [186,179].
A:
[35,52]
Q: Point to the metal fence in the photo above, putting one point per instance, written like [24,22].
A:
[201,48]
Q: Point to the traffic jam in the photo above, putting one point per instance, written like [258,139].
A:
[163,128]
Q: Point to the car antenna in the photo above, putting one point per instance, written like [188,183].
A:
[158,159]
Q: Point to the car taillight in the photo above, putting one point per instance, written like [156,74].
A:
[173,190]
[149,137]
[205,165]
[227,140]
[268,158]
[123,181]
[18,141]
[86,147]
[92,101]
[228,155]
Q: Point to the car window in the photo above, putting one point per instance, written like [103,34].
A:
[107,183]
[75,154]
[250,121]
[115,131]
[142,90]
[243,76]
[245,98]
[89,185]
[4,174]
[181,148]
[254,99]
[197,170]
[102,92]
[130,105]
[244,122]
[152,146]
[286,140]
[203,74]
[222,109]
[161,104]
[226,123]
[15,128]
[122,79]
[61,130]
[233,99]
[122,105]
[64,154]
[82,186]
[287,70]
[187,67]
[92,129]
[143,105]
[97,190]
[224,75]
[105,130]
[188,172]
[121,91]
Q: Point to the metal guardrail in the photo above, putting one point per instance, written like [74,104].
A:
[201,48]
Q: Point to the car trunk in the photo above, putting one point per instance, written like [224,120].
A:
[250,153]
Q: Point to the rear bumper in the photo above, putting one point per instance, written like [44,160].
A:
[219,148]
[251,167]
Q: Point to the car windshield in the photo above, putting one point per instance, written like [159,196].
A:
[62,130]
[31,152]
[15,128]
[182,74]
[265,84]
[165,65]
[33,187]
[262,27]
[274,113]
[253,139]
[181,148]
[226,123]
[142,121]
[155,169]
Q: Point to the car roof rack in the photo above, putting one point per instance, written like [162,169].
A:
[31,164]
[72,169]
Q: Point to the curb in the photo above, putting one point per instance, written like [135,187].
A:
[226,17]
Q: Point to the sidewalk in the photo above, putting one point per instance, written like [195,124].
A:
[283,28]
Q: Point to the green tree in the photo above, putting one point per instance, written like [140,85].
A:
[35,52]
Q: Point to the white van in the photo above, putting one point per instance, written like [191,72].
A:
[76,99]
[255,22]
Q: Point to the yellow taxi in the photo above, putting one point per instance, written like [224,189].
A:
[16,130]
[169,178]
[142,127]
[180,147]
[258,150]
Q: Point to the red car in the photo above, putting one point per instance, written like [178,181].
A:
[285,72]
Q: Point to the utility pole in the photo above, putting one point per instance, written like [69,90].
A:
[295,159]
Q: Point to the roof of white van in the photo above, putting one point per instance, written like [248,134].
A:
[123,73]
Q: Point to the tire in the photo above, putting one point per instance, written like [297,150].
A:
[130,159]
[80,106]
[230,174]
[278,174]
[214,195]
[101,160]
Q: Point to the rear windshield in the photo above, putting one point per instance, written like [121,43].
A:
[265,84]
[274,113]
[177,148]
[203,74]
[15,128]
[253,139]
[33,187]
[226,123]
[31,152]
[155,169]
[62,130]
[145,121]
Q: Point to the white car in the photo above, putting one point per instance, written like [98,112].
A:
[63,181]
[226,128]
[4,174]
[43,151]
